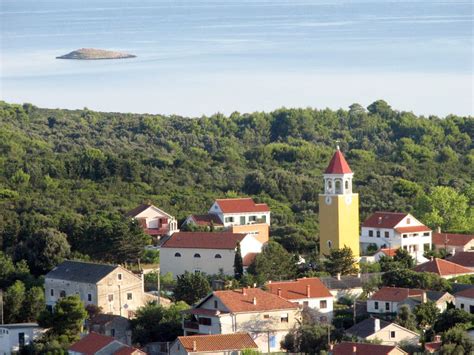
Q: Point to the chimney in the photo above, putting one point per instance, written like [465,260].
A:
[338,276]
[244,291]
[438,229]
[358,275]
[254,285]
[354,349]
[376,324]
[270,281]
[331,346]
[308,291]
[254,301]
[380,220]
[423,297]
[194,345]
[437,338]
[279,292]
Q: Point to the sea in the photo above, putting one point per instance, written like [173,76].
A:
[200,57]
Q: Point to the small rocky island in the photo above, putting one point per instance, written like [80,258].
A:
[95,54]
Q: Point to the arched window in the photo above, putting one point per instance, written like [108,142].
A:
[347,184]
[218,256]
[338,186]
[197,255]
[62,293]
[329,244]
[329,184]
[177,255]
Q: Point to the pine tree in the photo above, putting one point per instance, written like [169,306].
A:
[238,263]
[340,261]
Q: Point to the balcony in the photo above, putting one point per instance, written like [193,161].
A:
[188,324]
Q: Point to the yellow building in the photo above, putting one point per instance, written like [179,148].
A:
[338,208]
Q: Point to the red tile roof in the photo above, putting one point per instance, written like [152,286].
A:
[411,229]
[240,205]
[338,164]
[395,294]
[206,219]
[433,346]
[249,258]
[469,293]
[236,301]
[203,240]
[91,343]
[389,251]
[128,350]
[442,267]
[464,258]
[384,219]
[452,239]
[217,342]
[347,348]
[297,289]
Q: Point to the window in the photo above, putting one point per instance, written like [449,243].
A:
[347,185]
[119,276]
[408,221]
[284,318]
[387,306]
[197,271]
[252,218]
[264,219]
[392,334]
[229,219]
[376,305]
[110,297]
[197,255]
[272,341]
[329,184]
[426,234]
[242,219]
[205,321]
[378,234]
[266,316]
[371,233]
[462,305]
[217,256]
[404,235]
[387,234]
[177,255]
[338,186]
[329,244]
[215,304]
[52,292]
[62,293]
[129,296]
[323,304]
[89,297]
[112,332]
[21,339]
[426,246]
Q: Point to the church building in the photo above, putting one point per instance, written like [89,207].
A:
[338,208]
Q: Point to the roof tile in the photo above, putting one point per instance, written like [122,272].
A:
[91,343]
[347,348]
[452,239]
[204,240]
[384,219]
[442,267]
[338,164]
[464,258]
[395,294]
[296,289]
[217,342]
[241,205]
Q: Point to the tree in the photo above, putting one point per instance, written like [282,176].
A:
[154,322]
[404,258]
[238,264]
[341,261]
[273,263]
[426,314]
[308,339]
[406,318]
[13,302]
[191,287]
[453,317]
[66,321]
[412,279]
[456,341]
[33,304]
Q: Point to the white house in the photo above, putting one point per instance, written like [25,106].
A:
[216,344]
[453,243]
[386,332]
[443,268]
[154,221]
[15,336]
[308,292]
[387,299]
[393,230]
[265,316]
[465,300]
[98,344]
[206,252]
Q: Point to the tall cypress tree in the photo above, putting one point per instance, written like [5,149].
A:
[238,263]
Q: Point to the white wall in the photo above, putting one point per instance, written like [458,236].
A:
[9,337]
[314,303]
[215,209]
[152,216]
[464,303]
[393,306]
[401,334]
[250,245]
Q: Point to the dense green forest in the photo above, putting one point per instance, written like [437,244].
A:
[67,177]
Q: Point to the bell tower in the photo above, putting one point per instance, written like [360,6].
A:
[338,208]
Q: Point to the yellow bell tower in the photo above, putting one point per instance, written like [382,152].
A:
[338,208]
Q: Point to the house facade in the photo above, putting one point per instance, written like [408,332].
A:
[217,344]
[307,292]
[93,343]
[388,299]
[13,337]
[111,325]
[453,243]
[206,252]
[113,288]
[386,332]
[465,300]
[154,221]
[265,316]
[393,230]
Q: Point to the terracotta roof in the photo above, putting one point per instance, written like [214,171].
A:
[91,343]
[469,293]
[389,251]
[347,348]
[384,219]
[137,210]
[395,294]
[217,342]
[452,239]
[206,219]
[338,164]
[297,289]
[249,258]
[238,205]
[433,346]
[203,240]
[411,229]
[128,350]
[442,267]
[464,258]
[235,300]
[204,311]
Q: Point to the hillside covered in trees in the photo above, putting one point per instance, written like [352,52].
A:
[67,177]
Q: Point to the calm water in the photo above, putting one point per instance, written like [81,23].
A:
[199,57]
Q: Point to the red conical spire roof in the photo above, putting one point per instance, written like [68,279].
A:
[338,164]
